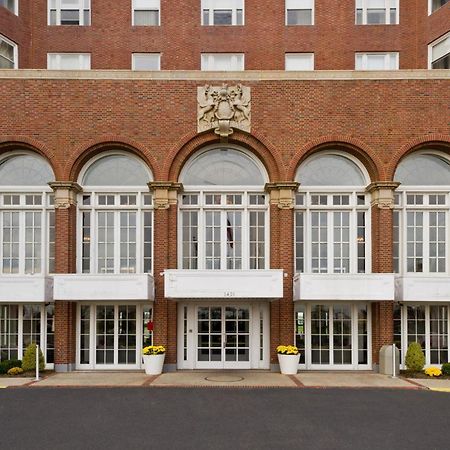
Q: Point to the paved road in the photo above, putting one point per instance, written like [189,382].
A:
[179,418]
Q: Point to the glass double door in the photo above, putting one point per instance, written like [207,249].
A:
[223,337]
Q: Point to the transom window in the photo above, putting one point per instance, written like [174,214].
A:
[222,61]
[421,214]
[299,12]
[8,54]
[27,221]
[146,61]
[376,61]
[115,217]
[332,214]
[223,212]
[439,53]
[146,12]
[68,61]
[222,12]
[434,5]
[11,5]
[377,12]
[69,12]
[299,61]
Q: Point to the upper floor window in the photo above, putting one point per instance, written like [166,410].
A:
[439,53]
[223,212]
[69,12]
[421,214]
[222,61]
[27,221]
[8,54]
[299,12]
[376,61]
[377,12]
[68,61]
[222,12]
[433,5]
[115,216]
[146,12]
[146,61]
[332,214]
[299,61]
[12,5]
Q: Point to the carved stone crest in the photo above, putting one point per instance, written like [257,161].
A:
[223,108]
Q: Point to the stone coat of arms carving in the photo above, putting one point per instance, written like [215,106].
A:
[223,108]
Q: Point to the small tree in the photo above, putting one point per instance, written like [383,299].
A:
[415,359]
[29,359]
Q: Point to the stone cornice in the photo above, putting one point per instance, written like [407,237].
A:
[382,193]
[246,75]
[282,193]
[165,193]
[65,193]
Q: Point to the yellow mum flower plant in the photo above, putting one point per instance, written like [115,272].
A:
[287,350]
[433,372]
[154,350]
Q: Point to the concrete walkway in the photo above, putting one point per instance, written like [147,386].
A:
[12,382]
[433,384]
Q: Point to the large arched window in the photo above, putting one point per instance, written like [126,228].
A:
[223,211]
[26,215]
[332,208]
[115,216]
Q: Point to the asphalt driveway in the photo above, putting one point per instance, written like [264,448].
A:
[223,418]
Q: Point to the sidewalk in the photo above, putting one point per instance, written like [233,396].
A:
[242,379]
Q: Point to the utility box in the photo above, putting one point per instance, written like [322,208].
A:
[390,360]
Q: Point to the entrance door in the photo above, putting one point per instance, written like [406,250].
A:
[223,337]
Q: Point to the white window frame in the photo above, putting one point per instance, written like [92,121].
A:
[81,8]
[15,10]
[387,60]
[310,56]
[54,59]
[218,5]
[15,50]
[388,5]
[207,61]
[446,37]
[430,7]
[299,4]
[134,55]
[153,5]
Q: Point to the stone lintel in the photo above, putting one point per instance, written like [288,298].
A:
[65,193]
[282,193]
[164,193]
[382,193]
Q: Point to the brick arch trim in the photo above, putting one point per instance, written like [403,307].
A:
[353,146]
[84,153]
[178,156]
[435,141]
[11,143]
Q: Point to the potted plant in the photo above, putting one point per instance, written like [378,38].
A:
[288,358]
[153,357]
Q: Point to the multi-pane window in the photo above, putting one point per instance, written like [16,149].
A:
[299,61]
[146,12]
[433,5]
[377,61]
[439,53]
[8,54]
[146,61]
[377,12]
[115,217]
[12,5]
[222,12]
[223,230]
[222,61]
[299,12]
[68,61]
[25,324]
[69,12]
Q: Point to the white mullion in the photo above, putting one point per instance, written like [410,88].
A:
[116,335]
[19,332]
[404,331]
[43,331]
[245,236]
[368,240]
[267,233]
[427,335]
[139,256]
[355,336]
[94,241]
[22,235]
[308,241]
[1,241]
[117,228]
[44,242]
[330,243]
[223,239]
[330,335]
[426,241]
[353,240]
[201,232]
[448,332]
[92,335]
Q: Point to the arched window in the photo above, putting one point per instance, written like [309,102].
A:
[27,216]
[332,208]
[115,216]
[421,213]
[223,211]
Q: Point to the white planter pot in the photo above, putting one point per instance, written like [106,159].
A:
[153,364]
[288,363]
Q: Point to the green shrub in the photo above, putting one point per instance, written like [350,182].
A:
[415,359]
[446,369]
[9,364]
[29,359]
